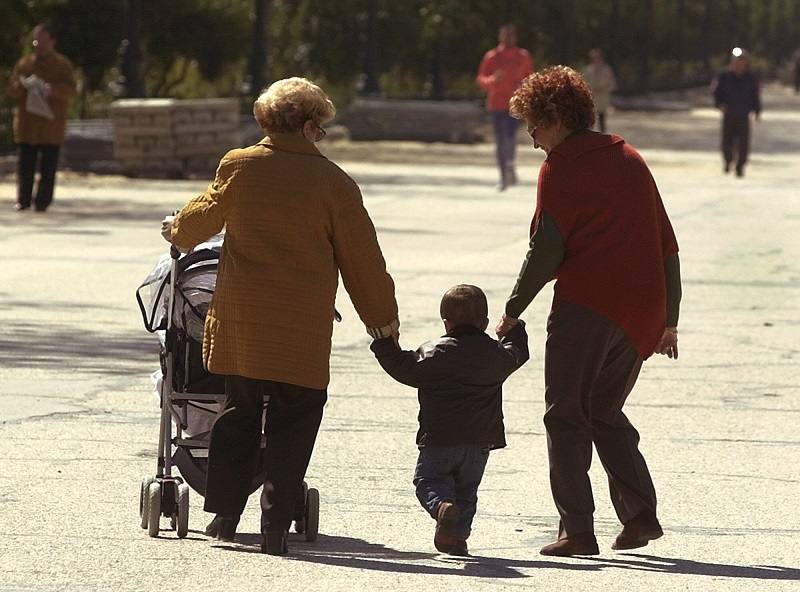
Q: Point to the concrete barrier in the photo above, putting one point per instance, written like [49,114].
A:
[169,137]
[462,122]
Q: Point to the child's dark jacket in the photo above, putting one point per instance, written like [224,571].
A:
[459,378]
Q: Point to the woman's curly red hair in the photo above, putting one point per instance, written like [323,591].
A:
[556,93]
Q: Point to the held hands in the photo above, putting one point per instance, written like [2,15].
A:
[668,344]
[505,325]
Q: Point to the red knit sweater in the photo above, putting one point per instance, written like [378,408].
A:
[616,233]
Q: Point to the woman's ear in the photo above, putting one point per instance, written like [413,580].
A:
[309,131]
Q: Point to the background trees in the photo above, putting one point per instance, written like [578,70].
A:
[419,48]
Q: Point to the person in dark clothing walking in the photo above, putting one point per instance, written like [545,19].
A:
[737,94]
[459,378]
[43,84]
[600,228]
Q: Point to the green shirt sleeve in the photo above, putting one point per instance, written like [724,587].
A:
[672,275]
[544,256]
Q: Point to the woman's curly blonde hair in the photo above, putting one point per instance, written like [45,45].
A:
[556,93]
[286,105]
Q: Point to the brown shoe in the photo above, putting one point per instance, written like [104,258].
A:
[447,516]
[637,532]
[457,548]
[583,543]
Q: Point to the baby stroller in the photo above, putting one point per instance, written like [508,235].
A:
[174,300]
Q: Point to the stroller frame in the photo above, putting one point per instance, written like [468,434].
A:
[165,494]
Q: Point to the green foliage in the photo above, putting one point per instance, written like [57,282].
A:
[180,36]
[195,48]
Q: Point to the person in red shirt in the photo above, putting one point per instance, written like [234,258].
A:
[500,72]
[601,230]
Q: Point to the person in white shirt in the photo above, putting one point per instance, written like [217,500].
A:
[601,78]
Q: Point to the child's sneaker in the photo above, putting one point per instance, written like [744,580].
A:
[447,516]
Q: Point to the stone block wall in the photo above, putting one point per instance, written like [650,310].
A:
[459,122]
[169,137]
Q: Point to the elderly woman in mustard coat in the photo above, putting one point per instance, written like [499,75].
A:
[294,221]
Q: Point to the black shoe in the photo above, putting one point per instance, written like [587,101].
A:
[273,542]
[740,171]
[727,168]
[18,207]
[223,528]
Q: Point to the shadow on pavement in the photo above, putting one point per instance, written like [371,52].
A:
[690,567]
[87,209]
[29,345]
[360,554]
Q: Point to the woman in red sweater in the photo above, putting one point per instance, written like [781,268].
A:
[600,229]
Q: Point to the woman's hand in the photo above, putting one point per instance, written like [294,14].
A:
[668,344]
[505,325]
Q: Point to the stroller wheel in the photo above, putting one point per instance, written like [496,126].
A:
[182,522]
[143,512]
[312,515]
[153,508]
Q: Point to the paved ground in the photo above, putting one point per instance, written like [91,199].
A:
[78,423]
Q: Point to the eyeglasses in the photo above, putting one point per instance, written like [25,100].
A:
[321,131]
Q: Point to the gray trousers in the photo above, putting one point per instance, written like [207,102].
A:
[590,369]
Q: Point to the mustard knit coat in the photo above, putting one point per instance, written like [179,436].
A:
[294,221]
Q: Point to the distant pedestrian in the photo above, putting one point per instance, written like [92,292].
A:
[601,230]
[601,79]
[460,379]
[43,84]
[737,94]
[499,74]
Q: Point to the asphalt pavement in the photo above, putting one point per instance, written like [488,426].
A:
[79,422]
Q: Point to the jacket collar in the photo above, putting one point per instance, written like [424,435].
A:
[290,143]
[462,330]
[582,141]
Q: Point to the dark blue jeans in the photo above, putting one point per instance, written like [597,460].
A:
[451,473]
[505,137]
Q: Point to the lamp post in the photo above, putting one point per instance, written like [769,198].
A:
[371,86]
[130,82]
[258,54]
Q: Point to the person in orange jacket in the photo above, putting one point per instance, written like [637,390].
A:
[501,70]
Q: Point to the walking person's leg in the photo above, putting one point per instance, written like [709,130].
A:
[47,177]
[616,440]
[294,414]
[26,170]
[512,127]
[727,141]
[501,150]
[743,144]
[467,480]
[575,352]
[436,491]
[233,449]
[601,120]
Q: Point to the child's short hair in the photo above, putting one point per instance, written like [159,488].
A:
[464,305]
